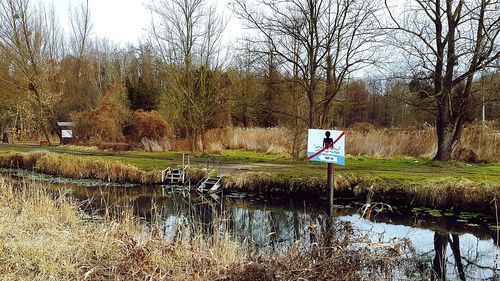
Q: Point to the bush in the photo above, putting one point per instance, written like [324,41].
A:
[148,125]
[150,129]
[106,122]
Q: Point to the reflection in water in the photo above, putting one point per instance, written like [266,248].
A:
[439,263]
[276,226]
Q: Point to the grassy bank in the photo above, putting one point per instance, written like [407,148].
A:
[45,237]
[439,192]
[78,167]
[399,180]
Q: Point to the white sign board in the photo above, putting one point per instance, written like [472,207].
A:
[326,146]
[67,133]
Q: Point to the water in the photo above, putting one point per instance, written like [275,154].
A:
[273,226]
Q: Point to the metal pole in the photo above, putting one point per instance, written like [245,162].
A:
[330,186]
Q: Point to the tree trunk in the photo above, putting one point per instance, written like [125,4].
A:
[312,111]
[445,142]
[448,130]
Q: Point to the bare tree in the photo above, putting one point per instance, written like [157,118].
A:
[448,42]
[81,27]
[320,41]
[30,38]
[186,35]
[80,90]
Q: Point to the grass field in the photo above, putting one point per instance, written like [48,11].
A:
[237,161]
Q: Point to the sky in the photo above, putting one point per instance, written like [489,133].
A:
[125,21]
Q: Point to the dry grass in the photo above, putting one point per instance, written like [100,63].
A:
[479,143]
[265,140]
[483,141]
[152,145]
[44,236]
[436,192]
[270,184]
[26,161]
[80,148]
[441,193]
[392,143]
[79,167]
[336,254]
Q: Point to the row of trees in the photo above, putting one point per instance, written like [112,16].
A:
[295,69]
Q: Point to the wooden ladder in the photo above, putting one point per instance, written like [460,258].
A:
[176,175]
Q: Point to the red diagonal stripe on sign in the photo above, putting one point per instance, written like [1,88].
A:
[326,147]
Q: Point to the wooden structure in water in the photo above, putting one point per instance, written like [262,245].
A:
[211,183]
[176,176]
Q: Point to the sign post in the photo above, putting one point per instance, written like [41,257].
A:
[327,146]
[330,186]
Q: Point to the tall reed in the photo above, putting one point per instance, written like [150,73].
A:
[479,142]
[44,236]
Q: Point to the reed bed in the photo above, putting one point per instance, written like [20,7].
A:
[270,184]
[78,167]
[441,193]
[45,236]
[383,143]
[265,140]
[479,142]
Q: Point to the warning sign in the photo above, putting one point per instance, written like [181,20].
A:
[326,146]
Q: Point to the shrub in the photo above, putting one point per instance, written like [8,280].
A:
[148,125]
[104,123]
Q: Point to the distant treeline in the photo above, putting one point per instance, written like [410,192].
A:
[183,71]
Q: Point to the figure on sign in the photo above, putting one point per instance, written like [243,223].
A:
[326,146]
[328,141]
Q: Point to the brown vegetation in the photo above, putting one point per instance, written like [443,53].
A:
[78,167]
[114,146]
[150,129]
[43,236]
[480,142]
[111,124]
[266,140]
[148,125]
[444,192]
[46,239]
[105,123]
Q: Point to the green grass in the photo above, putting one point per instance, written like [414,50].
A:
[405,170]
